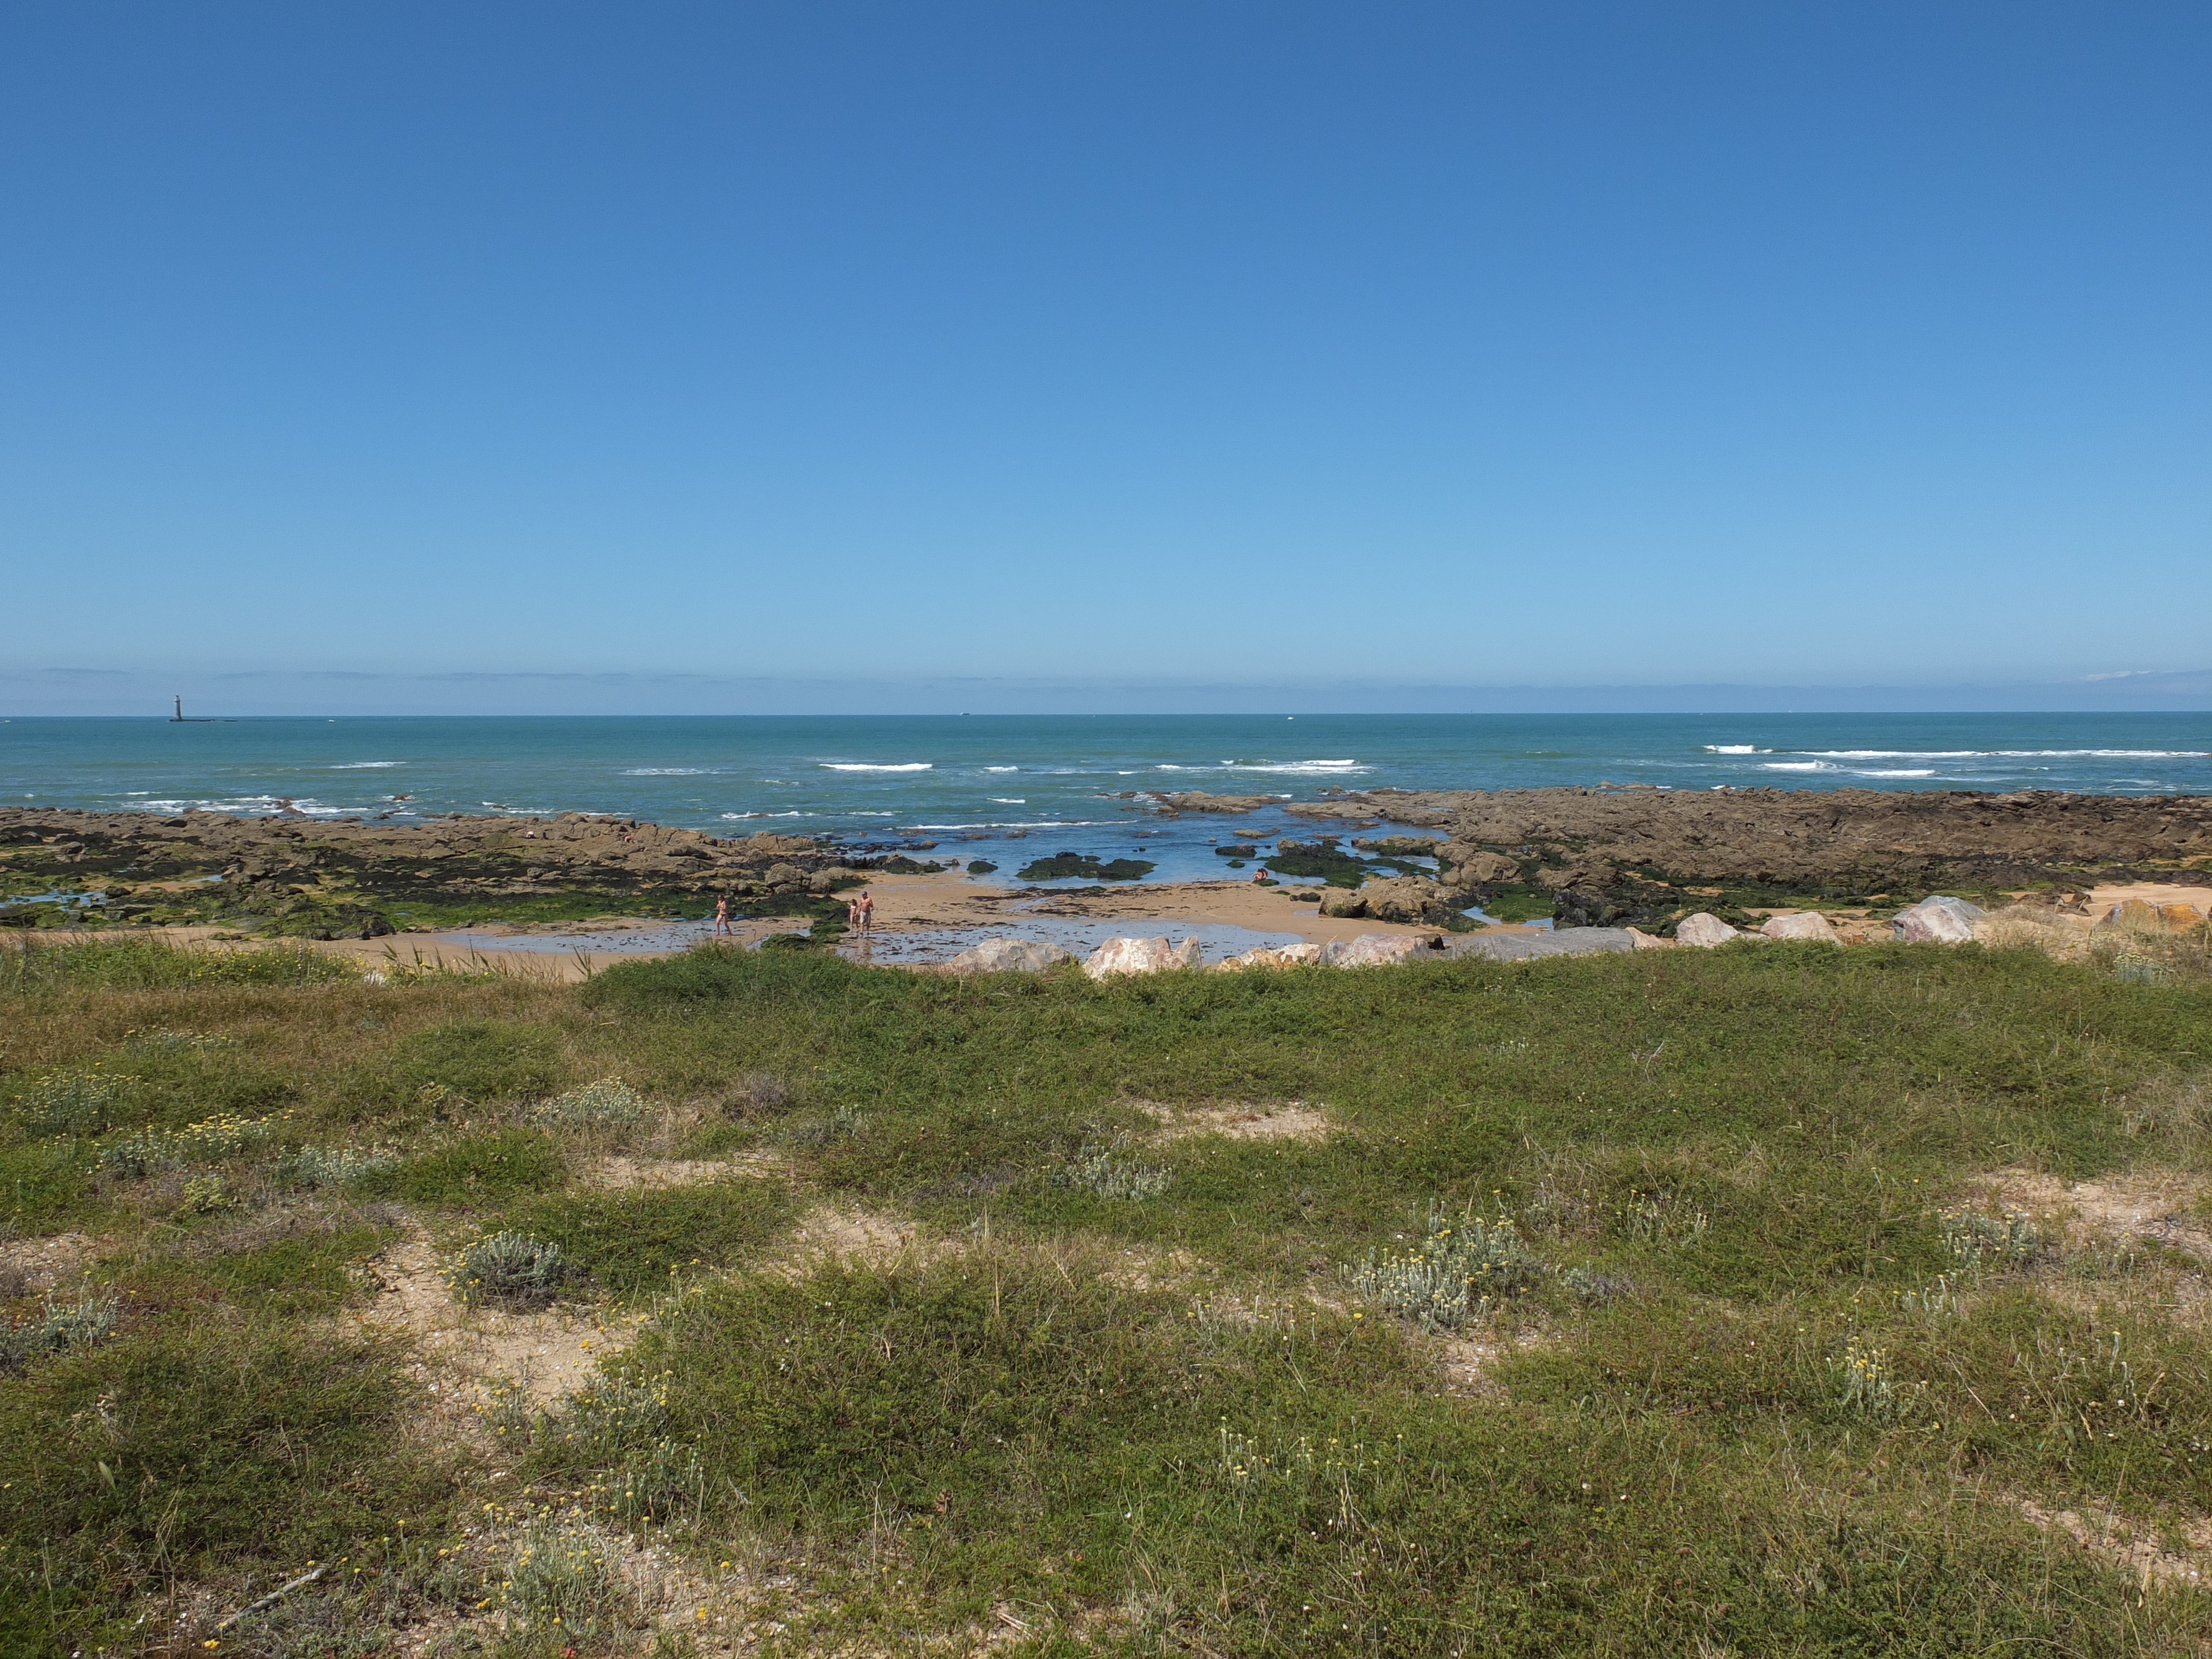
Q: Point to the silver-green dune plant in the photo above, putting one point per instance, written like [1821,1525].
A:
[512,1270]
[1982,1243]
[611,1101]
[562,1580]
[211,1140]
[1111,1172]
[842,1123]
[1664,1220]
[1933,1303]
[70,1103]
[623,1421]
[331,1166]
[60,1328]
[1458,1272]
[1866,1383]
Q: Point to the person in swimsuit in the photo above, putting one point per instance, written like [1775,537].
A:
[867,906]
[721,918]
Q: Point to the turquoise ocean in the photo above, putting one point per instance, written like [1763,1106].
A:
[1000,787]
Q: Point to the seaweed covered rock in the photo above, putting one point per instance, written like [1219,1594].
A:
[1469,865]
[1398,898]
[1320,857]
[1592,907]
[1398,847]
[1201,801]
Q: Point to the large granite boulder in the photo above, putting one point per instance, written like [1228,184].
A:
[1559,942]
[1704,930]
[1806,924]
[1139,956]
[1940,920]
[1301,954]
[1010,956]
[2136,916]
[1368,951]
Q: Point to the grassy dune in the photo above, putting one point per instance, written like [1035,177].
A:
[1746,1302]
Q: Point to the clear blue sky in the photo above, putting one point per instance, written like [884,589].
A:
[1106,345]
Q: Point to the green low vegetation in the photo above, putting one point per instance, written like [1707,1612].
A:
[1675,1302]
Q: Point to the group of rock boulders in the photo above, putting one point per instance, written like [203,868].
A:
[1941,919]
[1119,956]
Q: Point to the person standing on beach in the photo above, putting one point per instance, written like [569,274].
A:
[722,918]
[867,906]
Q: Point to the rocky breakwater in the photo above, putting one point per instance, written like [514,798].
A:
[1652,857]
[360,878]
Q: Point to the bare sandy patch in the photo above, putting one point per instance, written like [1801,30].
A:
[2130,1545]
[1242,1120]
[622,1173]
[1135,1268]
[1468,1360]
[950,900]
[852,1237]
[2148,1203]
[544,1355]
[39,1264]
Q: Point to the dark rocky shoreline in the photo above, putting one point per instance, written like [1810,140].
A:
[1645,855]
[1593,857]
[326,879]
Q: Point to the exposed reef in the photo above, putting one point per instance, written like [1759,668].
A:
[337,878]
[1649,856]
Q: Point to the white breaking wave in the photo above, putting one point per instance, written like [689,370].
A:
[1893,772]
[1002,769]
[666,772]
[1009,800]
[776,815]
[363,766]
[2013,754]
[1299,766]
[1735,748]
[865,766]
[1795,765]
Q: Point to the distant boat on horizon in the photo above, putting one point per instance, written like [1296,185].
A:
[180,718]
